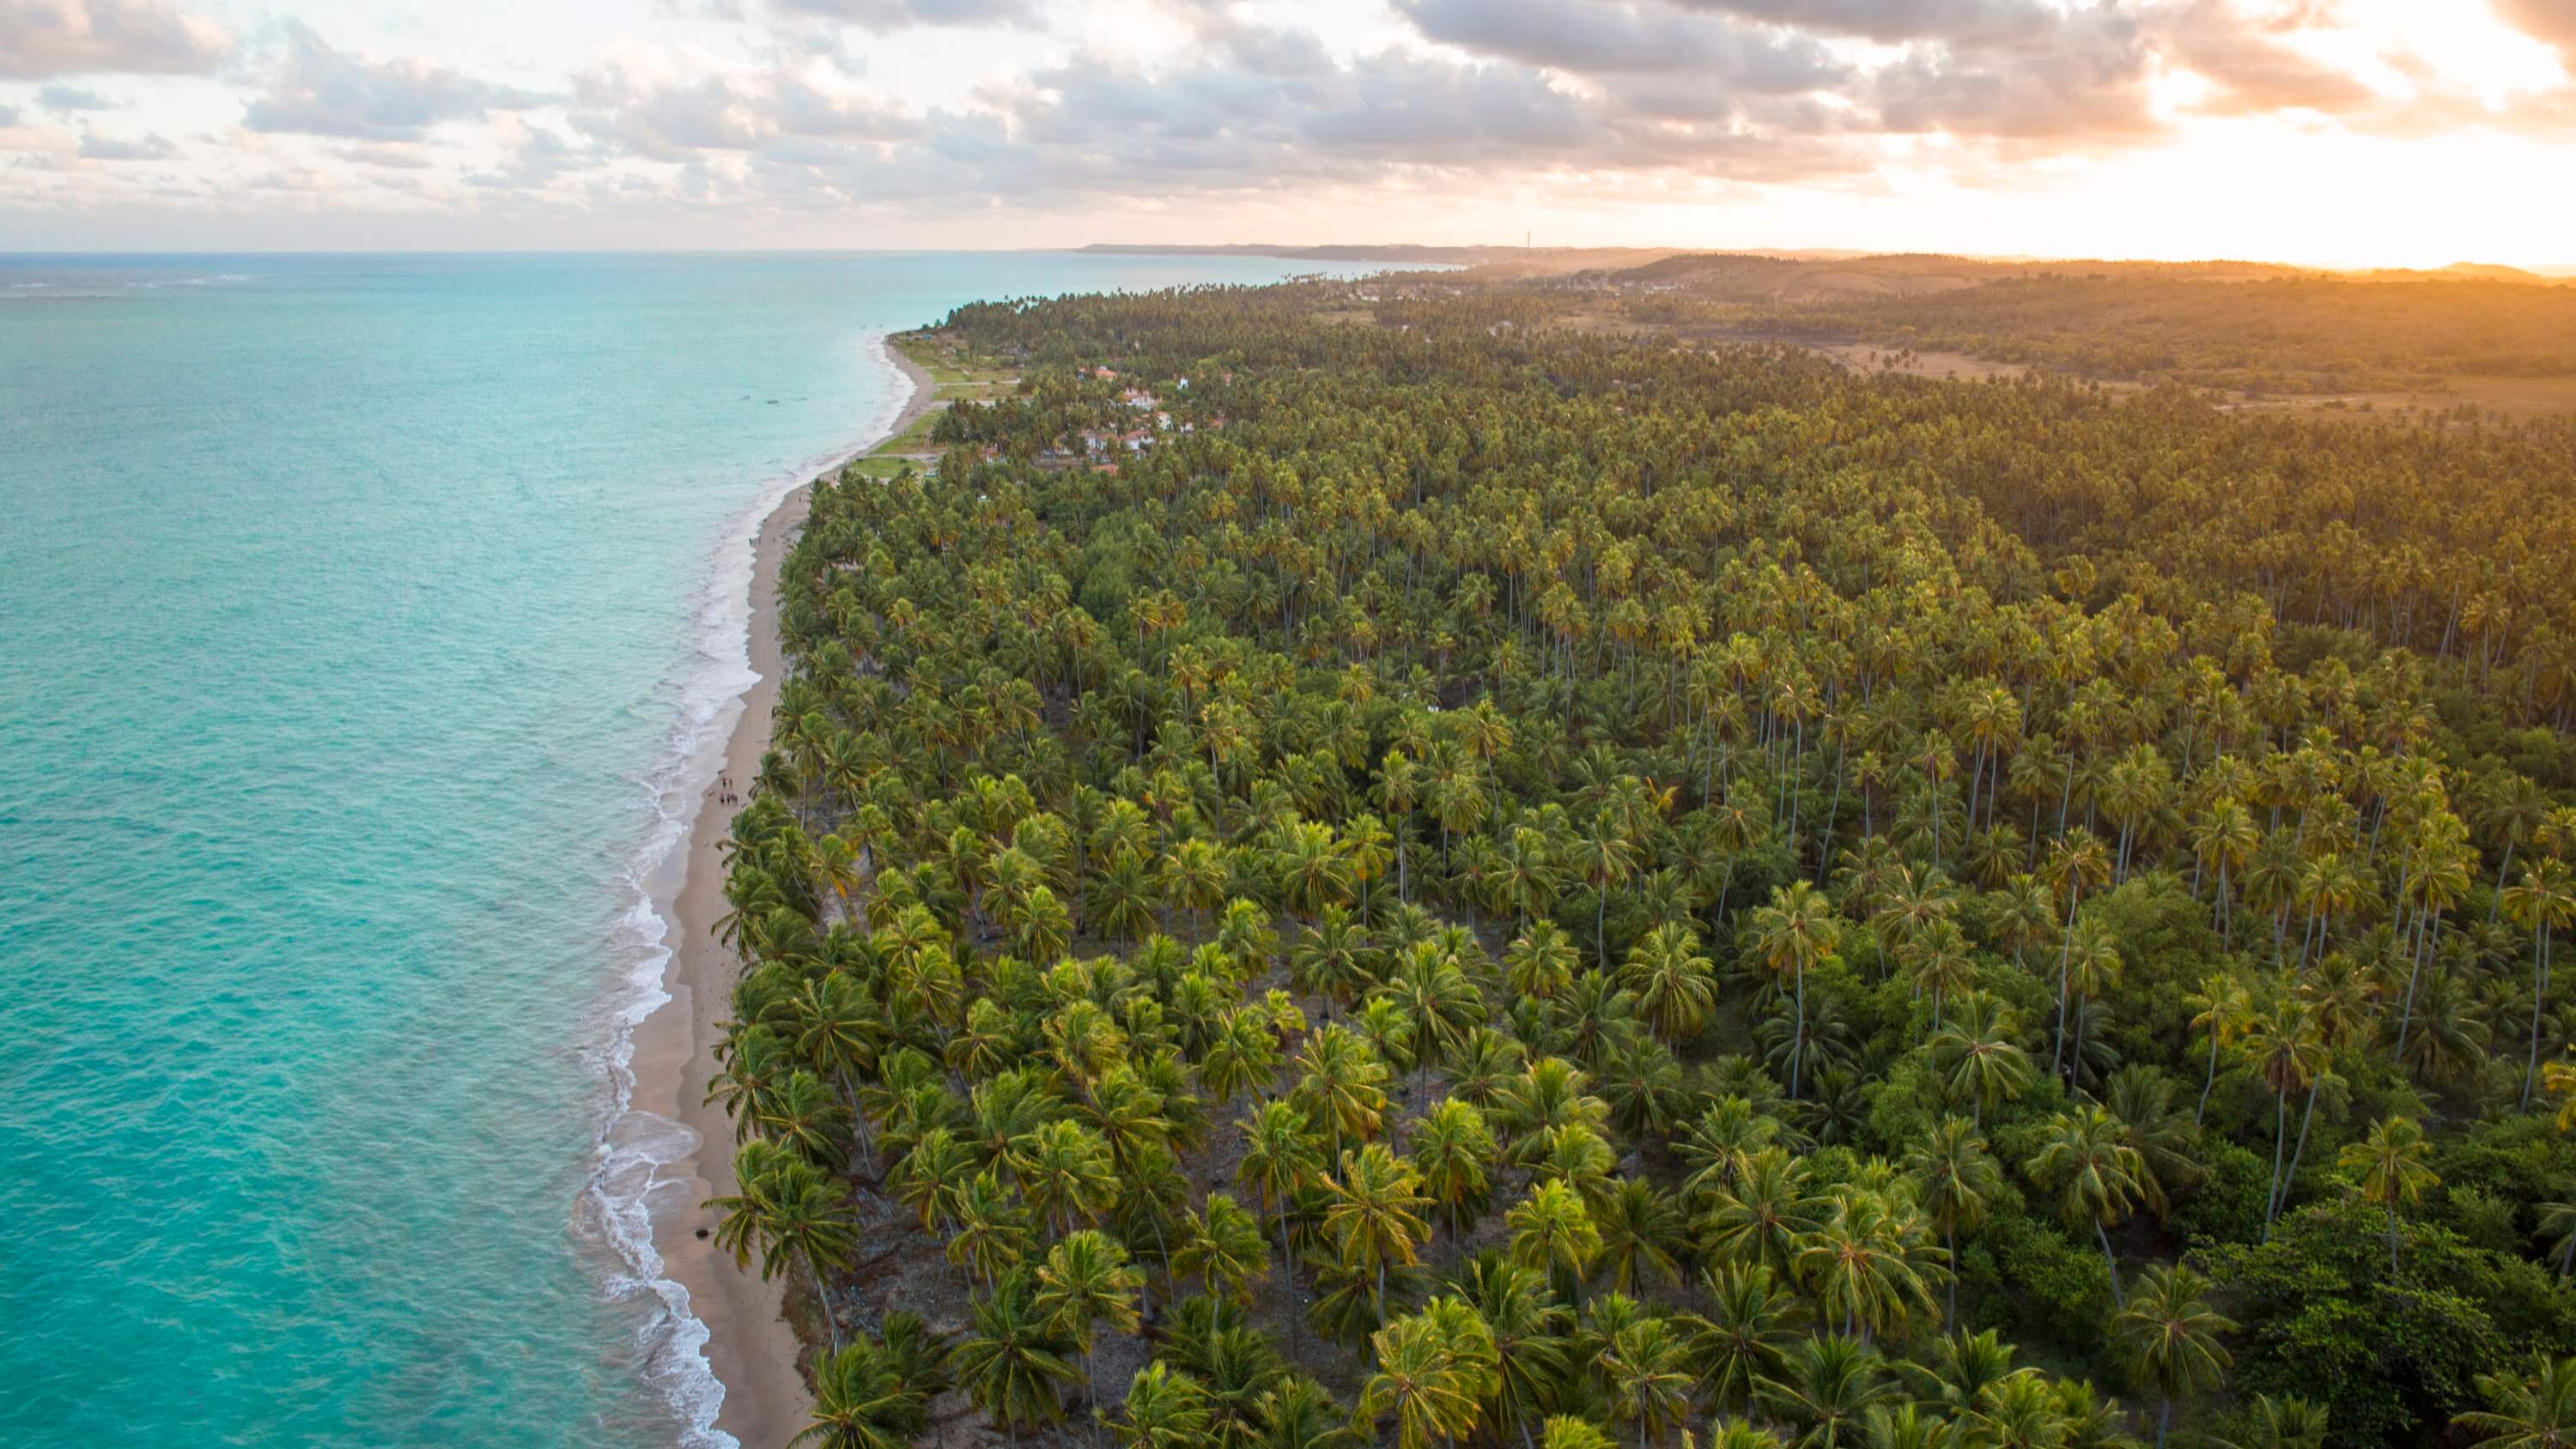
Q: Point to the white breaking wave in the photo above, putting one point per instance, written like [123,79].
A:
[626,1190]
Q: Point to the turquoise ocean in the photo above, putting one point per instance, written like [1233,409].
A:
[359,616]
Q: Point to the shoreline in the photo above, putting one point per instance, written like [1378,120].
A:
[749,1345]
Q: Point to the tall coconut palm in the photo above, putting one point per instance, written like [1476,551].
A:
[2094,1174]
[1528,1325]
[1374,1214]
[2169,1334]
[2389,1168]
[863,1401]
[1791,935]
[1675,984]
[1960,1181]
[2543,902]
[785,1207]
[1751,1323]
[2288,1422]
[2222,1009]
[2531,1410]
[1341,1084]
[1065,1171]
[1646,1367]
[1864,1263]
[1539,963]
[1281,1155]
[1641,1231]
[1223,1248]
[1433,1372]
[1084,1281]
[992,1234]
[1013,1361]
[1827,1387]
[2288,1054]
[2076,866]
[1454,1152]
[1552,1231]
[1164,1409]
[1765,1217]
[1978,1058]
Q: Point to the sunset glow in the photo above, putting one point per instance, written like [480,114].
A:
[2337,132]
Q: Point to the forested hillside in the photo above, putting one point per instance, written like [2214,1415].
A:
[1430,879]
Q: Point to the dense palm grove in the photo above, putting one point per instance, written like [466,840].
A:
[1500,886]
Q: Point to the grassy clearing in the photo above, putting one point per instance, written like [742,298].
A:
[955,372]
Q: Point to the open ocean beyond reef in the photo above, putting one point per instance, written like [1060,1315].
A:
[357,617]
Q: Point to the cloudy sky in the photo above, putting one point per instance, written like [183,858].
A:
[2410,132]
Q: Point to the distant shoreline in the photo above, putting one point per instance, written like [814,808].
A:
[751,1347]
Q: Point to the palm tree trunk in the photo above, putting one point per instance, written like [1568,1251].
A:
[823,1300]
[2539,998]
[1951,1239]
[2208,1085]
[1798,1044]
[2280,1141]
[2110,1262]
[2307,1119]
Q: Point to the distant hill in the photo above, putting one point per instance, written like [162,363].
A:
[1494,261]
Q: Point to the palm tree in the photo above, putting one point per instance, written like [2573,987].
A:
[2390,1169]
[1342,1084]
[1765,1217]
[1528,1332]
[1978,1058]
[2076,864]
[1280,1156]
[784,1206]
[1960,1181]
[2534,1410]
[1433,1372]
[2288,1054]
[933,1176]
[1013,1361]
[1792,934]
[1606,856]
[1244,1056]
[1065,1172]
[1163,1410]
[2170,1336]
[2095,1174]
[1540,961]
[2224,1010]
[1552,1231]
[1675,984]
[1083,1281]
[1640,1229]
[1374,1213]
[1564,1431]
[1827,1386]
[1455,1154]
[1299,1413]
[1752,1321]
[2542,902]
[862,1400]
[1645,1363]
[2289,1422]
[1223,1248]
[992,1234]
[1863,1262]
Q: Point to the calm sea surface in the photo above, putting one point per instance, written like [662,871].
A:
[355,616]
